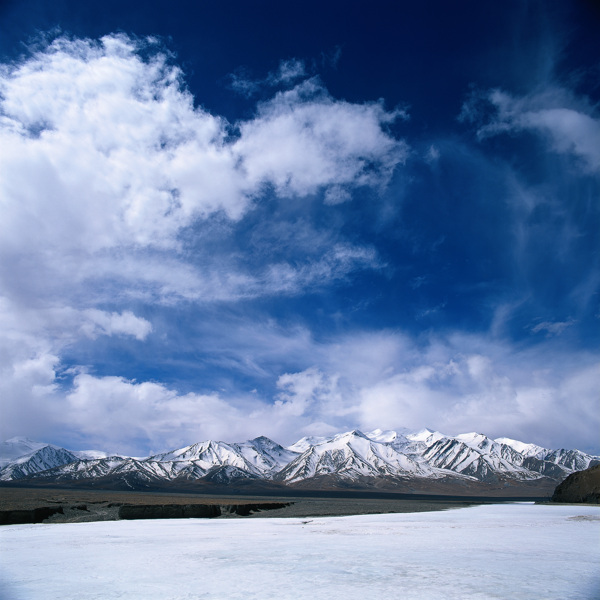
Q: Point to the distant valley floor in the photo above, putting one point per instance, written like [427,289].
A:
[63,505]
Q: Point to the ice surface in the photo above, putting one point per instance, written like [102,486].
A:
[525,551]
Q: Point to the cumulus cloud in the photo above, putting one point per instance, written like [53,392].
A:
[367,380]
[309,393]
[303,140]
[452,383]
[114,143]
[118,189]
[105,155]
[466,383]
[127,415]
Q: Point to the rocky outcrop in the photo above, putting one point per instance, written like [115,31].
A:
[582,486]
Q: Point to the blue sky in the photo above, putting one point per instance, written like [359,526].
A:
[225,220]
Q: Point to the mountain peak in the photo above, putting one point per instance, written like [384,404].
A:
[263,440]
[425,435]
[351,434]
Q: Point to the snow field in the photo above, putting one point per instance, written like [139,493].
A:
[507,551]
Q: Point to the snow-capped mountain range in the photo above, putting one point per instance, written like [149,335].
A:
[347,458]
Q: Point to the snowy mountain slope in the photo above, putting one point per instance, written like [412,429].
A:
[485,464]
[206,455]
[305,443]
[266,455]
[388,436]
[485,459]
[16,447]
[217,461]
[146,470]
[350,456]
[522,448]
[573,460]
[259,457]
[35,462]
[426,436]
[418,442]
[90,454]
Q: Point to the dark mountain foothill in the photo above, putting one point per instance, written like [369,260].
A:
[579,487]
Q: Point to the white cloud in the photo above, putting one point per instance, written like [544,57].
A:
[432,155]
[287,73]
[552,327]
[466,384]
[569,124]
[365,380]
[308,394]
[63,325]
[337,195]
[28,383]
[384,379]
[169,281]
[124,415]
[32,375]
[105,149]
[106,160]
[303,140]
[289,70]
[125,323]
[455,384]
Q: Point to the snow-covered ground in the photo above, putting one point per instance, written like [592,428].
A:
[508,551]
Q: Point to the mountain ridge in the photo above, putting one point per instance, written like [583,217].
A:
[378,459]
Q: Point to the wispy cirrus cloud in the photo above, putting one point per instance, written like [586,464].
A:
[552,327]
[288,72]
[569,124]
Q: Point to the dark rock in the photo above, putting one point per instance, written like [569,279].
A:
[581,486]
[193,511]
[244,510]
[35,515]
[168,511]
